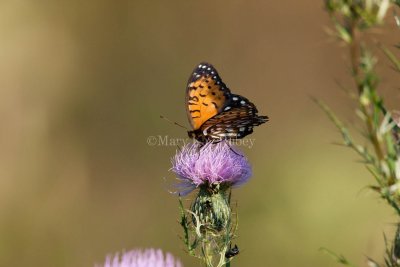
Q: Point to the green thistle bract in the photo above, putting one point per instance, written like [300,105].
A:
[212,207]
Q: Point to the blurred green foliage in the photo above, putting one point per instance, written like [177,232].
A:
[380,151]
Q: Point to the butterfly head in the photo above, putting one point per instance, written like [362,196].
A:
[192,134]
[198,135]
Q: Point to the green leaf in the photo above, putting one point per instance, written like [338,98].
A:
[348,140]
[339,258]
[395,61]
[342,32]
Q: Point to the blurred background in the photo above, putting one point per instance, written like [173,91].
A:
[83,84]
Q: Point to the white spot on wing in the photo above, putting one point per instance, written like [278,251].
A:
[235,98]
[227,108]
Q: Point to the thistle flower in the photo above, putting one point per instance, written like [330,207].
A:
[214,168]
[210,164]
[142,258]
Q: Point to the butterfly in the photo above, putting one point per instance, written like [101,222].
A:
[214,113]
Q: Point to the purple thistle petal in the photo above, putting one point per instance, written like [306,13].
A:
[142,258]
[196,165]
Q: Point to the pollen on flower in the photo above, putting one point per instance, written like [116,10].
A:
[197,164]
[141,258]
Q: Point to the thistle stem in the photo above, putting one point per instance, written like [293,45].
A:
[355,52]
[207,255]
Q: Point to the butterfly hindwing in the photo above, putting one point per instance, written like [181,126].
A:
[235,123]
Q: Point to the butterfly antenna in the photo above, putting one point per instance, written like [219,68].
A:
[173,122]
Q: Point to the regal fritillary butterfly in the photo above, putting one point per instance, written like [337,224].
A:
[214,112]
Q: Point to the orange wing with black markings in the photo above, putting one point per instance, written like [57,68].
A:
[206,95]
[214,112]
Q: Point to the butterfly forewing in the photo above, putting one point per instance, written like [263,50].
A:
[206,95]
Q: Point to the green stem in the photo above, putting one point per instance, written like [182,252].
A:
[206,251]
[368,109]
[355,55]
[355,52]
[373,136]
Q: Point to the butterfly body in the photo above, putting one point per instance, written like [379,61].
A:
[214,112]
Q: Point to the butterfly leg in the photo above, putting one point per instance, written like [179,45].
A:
[199,147]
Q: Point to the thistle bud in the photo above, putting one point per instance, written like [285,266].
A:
[212,207]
